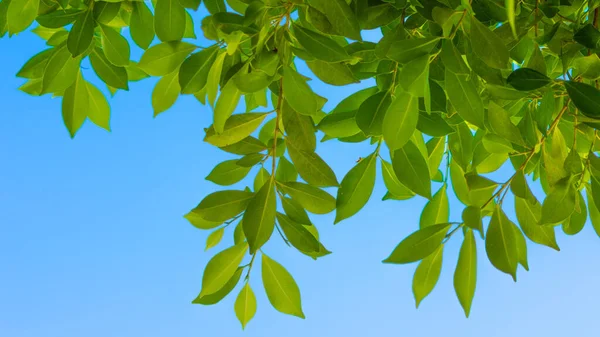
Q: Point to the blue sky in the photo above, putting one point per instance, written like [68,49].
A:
[93,242]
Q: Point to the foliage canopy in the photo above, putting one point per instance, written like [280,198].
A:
[460,89]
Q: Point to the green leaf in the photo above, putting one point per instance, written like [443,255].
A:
[339,124]
[20,15]
[259,218]
[236,129]
[198,222]
[165,93]
[588,36]
[501,243]
[465,275]
[320,46]
[392,183]
[371,114]
[575,223]
[404,51]
[245,146]
[559,204]
[297,92]
[500,124]
[74,105]
[529,215]
[282,291]
[261,178]
[252,82]
[412,169]
[339,14]
[299,129]
[356,188]
[141,25]
[285,171]
[34,67]
[464,97]
[298,236]
[585,97]
[526,79]
[400,120]
[228,173]
[59,18]
[488,46]
[250,160]
[226,103]
[193,74]
[115,46]
[594,213]
[81,34]
[164,58]
[311,167]
[437,210]
[427,275]
[214,238]
[311,198]
[245,305]
[215,6]
[105,12]
[98,110]
[588,66]
[169,20]
[110,74]
[418,245]
[452,59]
[332,73]
[214,77]
[221,268]
[220,294]
[223,205]
[295,211]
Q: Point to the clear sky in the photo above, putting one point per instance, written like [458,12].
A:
[93,242]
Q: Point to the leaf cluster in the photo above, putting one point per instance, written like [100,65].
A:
[457,90]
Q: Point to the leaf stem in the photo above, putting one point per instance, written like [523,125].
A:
[247,278]
[278,116]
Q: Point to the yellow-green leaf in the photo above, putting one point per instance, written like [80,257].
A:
[223,205]
[465,275]
[501,243]
[427,275]
[282,291]
[221,268]
[245,305]
[214,238]
[356,188]
[418,245]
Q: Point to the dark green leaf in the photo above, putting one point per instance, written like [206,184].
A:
[526,79]
[585,97]
[82,33]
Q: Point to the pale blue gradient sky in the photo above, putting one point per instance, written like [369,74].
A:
[93,242]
